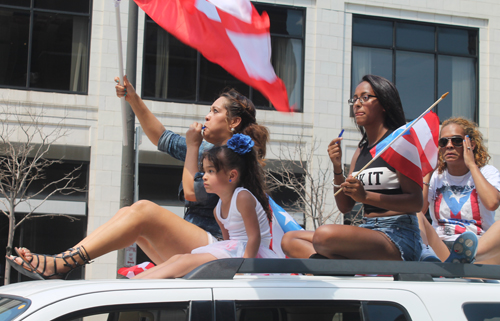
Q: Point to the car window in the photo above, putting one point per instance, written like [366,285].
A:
[12,307]
[177,311]
[317,310]
[479,311]
[385,311]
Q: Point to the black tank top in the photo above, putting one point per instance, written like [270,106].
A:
[379,177]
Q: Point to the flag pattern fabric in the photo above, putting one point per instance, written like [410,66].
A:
[282,222]
[230,33]
[132,271]
[414,154]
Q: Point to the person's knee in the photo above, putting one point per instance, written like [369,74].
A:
[286,242]
[142,209]
[324,235]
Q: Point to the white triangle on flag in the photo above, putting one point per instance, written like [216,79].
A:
[255,53]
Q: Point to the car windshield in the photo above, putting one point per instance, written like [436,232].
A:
[11,307]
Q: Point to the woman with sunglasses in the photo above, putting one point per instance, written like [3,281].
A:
[391,200]
[462,196]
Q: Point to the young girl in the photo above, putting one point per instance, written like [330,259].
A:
[234,174]
[160,233]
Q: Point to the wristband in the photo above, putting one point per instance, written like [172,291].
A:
[341,172]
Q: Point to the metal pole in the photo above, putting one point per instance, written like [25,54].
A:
[138,141]
[128,255]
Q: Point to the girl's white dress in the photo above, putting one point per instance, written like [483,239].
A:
[235,246]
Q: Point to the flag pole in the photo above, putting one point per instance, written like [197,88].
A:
[120,70]
[401,134]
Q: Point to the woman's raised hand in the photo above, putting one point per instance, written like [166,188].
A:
[335,152]
[353,188]
[127,90]
[193,135]
[469,152]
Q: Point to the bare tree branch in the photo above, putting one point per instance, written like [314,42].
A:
[25,140]
[294,171]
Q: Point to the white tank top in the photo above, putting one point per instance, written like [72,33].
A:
[234,222]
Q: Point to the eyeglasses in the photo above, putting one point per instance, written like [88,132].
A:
[456,141]
[362,99]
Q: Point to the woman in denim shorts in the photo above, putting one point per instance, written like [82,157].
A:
[390,226]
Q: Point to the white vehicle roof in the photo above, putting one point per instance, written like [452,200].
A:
[405,282]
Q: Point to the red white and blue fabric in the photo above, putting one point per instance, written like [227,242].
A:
[455,206]
[132,271]
[230,33]
[415,153]
[282,223]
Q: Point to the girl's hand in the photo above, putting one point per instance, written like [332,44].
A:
[354,189]
[335,152]
[469,152]
[193,135]
[127,90]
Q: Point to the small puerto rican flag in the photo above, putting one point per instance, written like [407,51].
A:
[415,153]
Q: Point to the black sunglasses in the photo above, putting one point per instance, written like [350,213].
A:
[456,141]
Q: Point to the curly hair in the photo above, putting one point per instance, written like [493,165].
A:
[481,156]
[251,173]
[240,106]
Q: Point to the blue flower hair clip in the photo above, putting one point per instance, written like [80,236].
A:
[240,144]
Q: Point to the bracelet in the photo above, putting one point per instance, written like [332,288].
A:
[426,184]
[341,173]
[335,185]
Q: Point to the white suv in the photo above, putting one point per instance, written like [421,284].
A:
[293,290]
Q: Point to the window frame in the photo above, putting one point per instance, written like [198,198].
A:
[394,49]
[197,100]
[32,10]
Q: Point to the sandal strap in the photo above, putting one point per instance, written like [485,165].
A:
[70,260]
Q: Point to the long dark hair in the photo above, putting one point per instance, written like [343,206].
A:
[240,106]
[388,97]
[248,167]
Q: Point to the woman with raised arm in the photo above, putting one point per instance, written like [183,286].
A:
[462,196]
[391,200]
[159,232]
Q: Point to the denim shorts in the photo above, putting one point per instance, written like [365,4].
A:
[402,230]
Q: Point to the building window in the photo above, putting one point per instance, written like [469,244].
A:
[44,45]
[173,71]
[423,60]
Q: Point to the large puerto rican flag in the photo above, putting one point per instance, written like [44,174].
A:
[414,154]
[282,222]
[230,33]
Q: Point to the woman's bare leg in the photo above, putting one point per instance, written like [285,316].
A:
[162,233]
[298,244]
[488,247]
[352,242]
[430,237]
[105,226]
[177,266]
